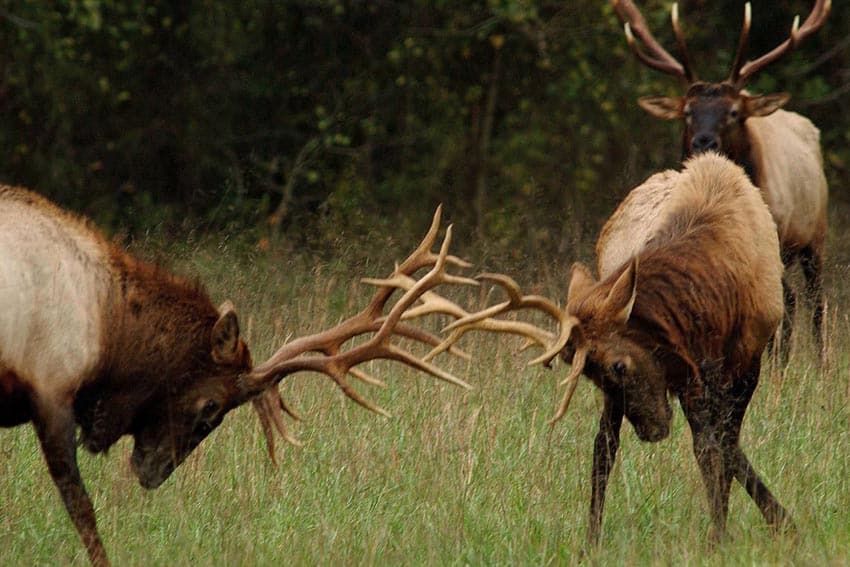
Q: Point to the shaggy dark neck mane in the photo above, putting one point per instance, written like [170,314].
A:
[157,335]
[683,296]
[163,321]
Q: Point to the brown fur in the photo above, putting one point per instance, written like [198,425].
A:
[690,314]
[164,367]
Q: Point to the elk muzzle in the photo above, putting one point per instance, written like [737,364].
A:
[705,142]
[651,421]
[150,470]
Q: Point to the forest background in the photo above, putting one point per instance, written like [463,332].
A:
[307,123]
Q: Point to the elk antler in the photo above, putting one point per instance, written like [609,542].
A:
[331,360]
[655,56]
[741,73]
[551,343]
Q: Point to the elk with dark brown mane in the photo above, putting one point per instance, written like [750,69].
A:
[779,150]
[92,337]
[686,312]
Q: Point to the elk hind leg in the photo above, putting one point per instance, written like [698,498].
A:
[55,426]
[811,260]
[790,302]
[774,514]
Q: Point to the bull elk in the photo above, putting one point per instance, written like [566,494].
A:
[779,150]
[92,337]
[687,312]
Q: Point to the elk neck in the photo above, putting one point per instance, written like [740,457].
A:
[158,336]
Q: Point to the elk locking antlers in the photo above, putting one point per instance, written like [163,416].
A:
[324,352]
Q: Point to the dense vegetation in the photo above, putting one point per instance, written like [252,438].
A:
[294,117]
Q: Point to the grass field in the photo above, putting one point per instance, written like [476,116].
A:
[456,477]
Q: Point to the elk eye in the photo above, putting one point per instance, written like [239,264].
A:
[210,408]
[619,368]
[733,114]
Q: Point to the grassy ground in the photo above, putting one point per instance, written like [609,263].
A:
[456,477]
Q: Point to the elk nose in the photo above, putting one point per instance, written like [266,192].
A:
[704,143]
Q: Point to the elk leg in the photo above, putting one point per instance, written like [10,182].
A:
[54,424]
[811,261]
[604,454]
[705,414]
[715,477]
[773,512]
[790,301]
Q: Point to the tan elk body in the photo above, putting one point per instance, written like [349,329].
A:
[635,221]
[91,337]
[64,282]
[787,154]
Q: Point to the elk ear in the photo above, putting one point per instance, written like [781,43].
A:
[663,107]
[581,282]
[225,336]
[764,105]
[621,298]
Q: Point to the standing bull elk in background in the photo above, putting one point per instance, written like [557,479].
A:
[92,337]
[779,150]
[687,312]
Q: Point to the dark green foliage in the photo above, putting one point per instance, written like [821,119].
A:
[300,115]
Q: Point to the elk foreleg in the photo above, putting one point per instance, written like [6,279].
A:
[604,454]
[55,426]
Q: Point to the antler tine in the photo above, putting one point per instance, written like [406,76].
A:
[484,320]
[680,41]
[533,335]
[365,377]
[655,56]
[742,44]
[435,303]
[571,381]
[553,345]
[423,256]
[814,21]
[432,303]
[566,327]
[515,301]
[269,406]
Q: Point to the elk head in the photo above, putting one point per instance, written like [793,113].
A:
[225,378]
[595,336]
[713,113]
[176,422]
[620,361]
